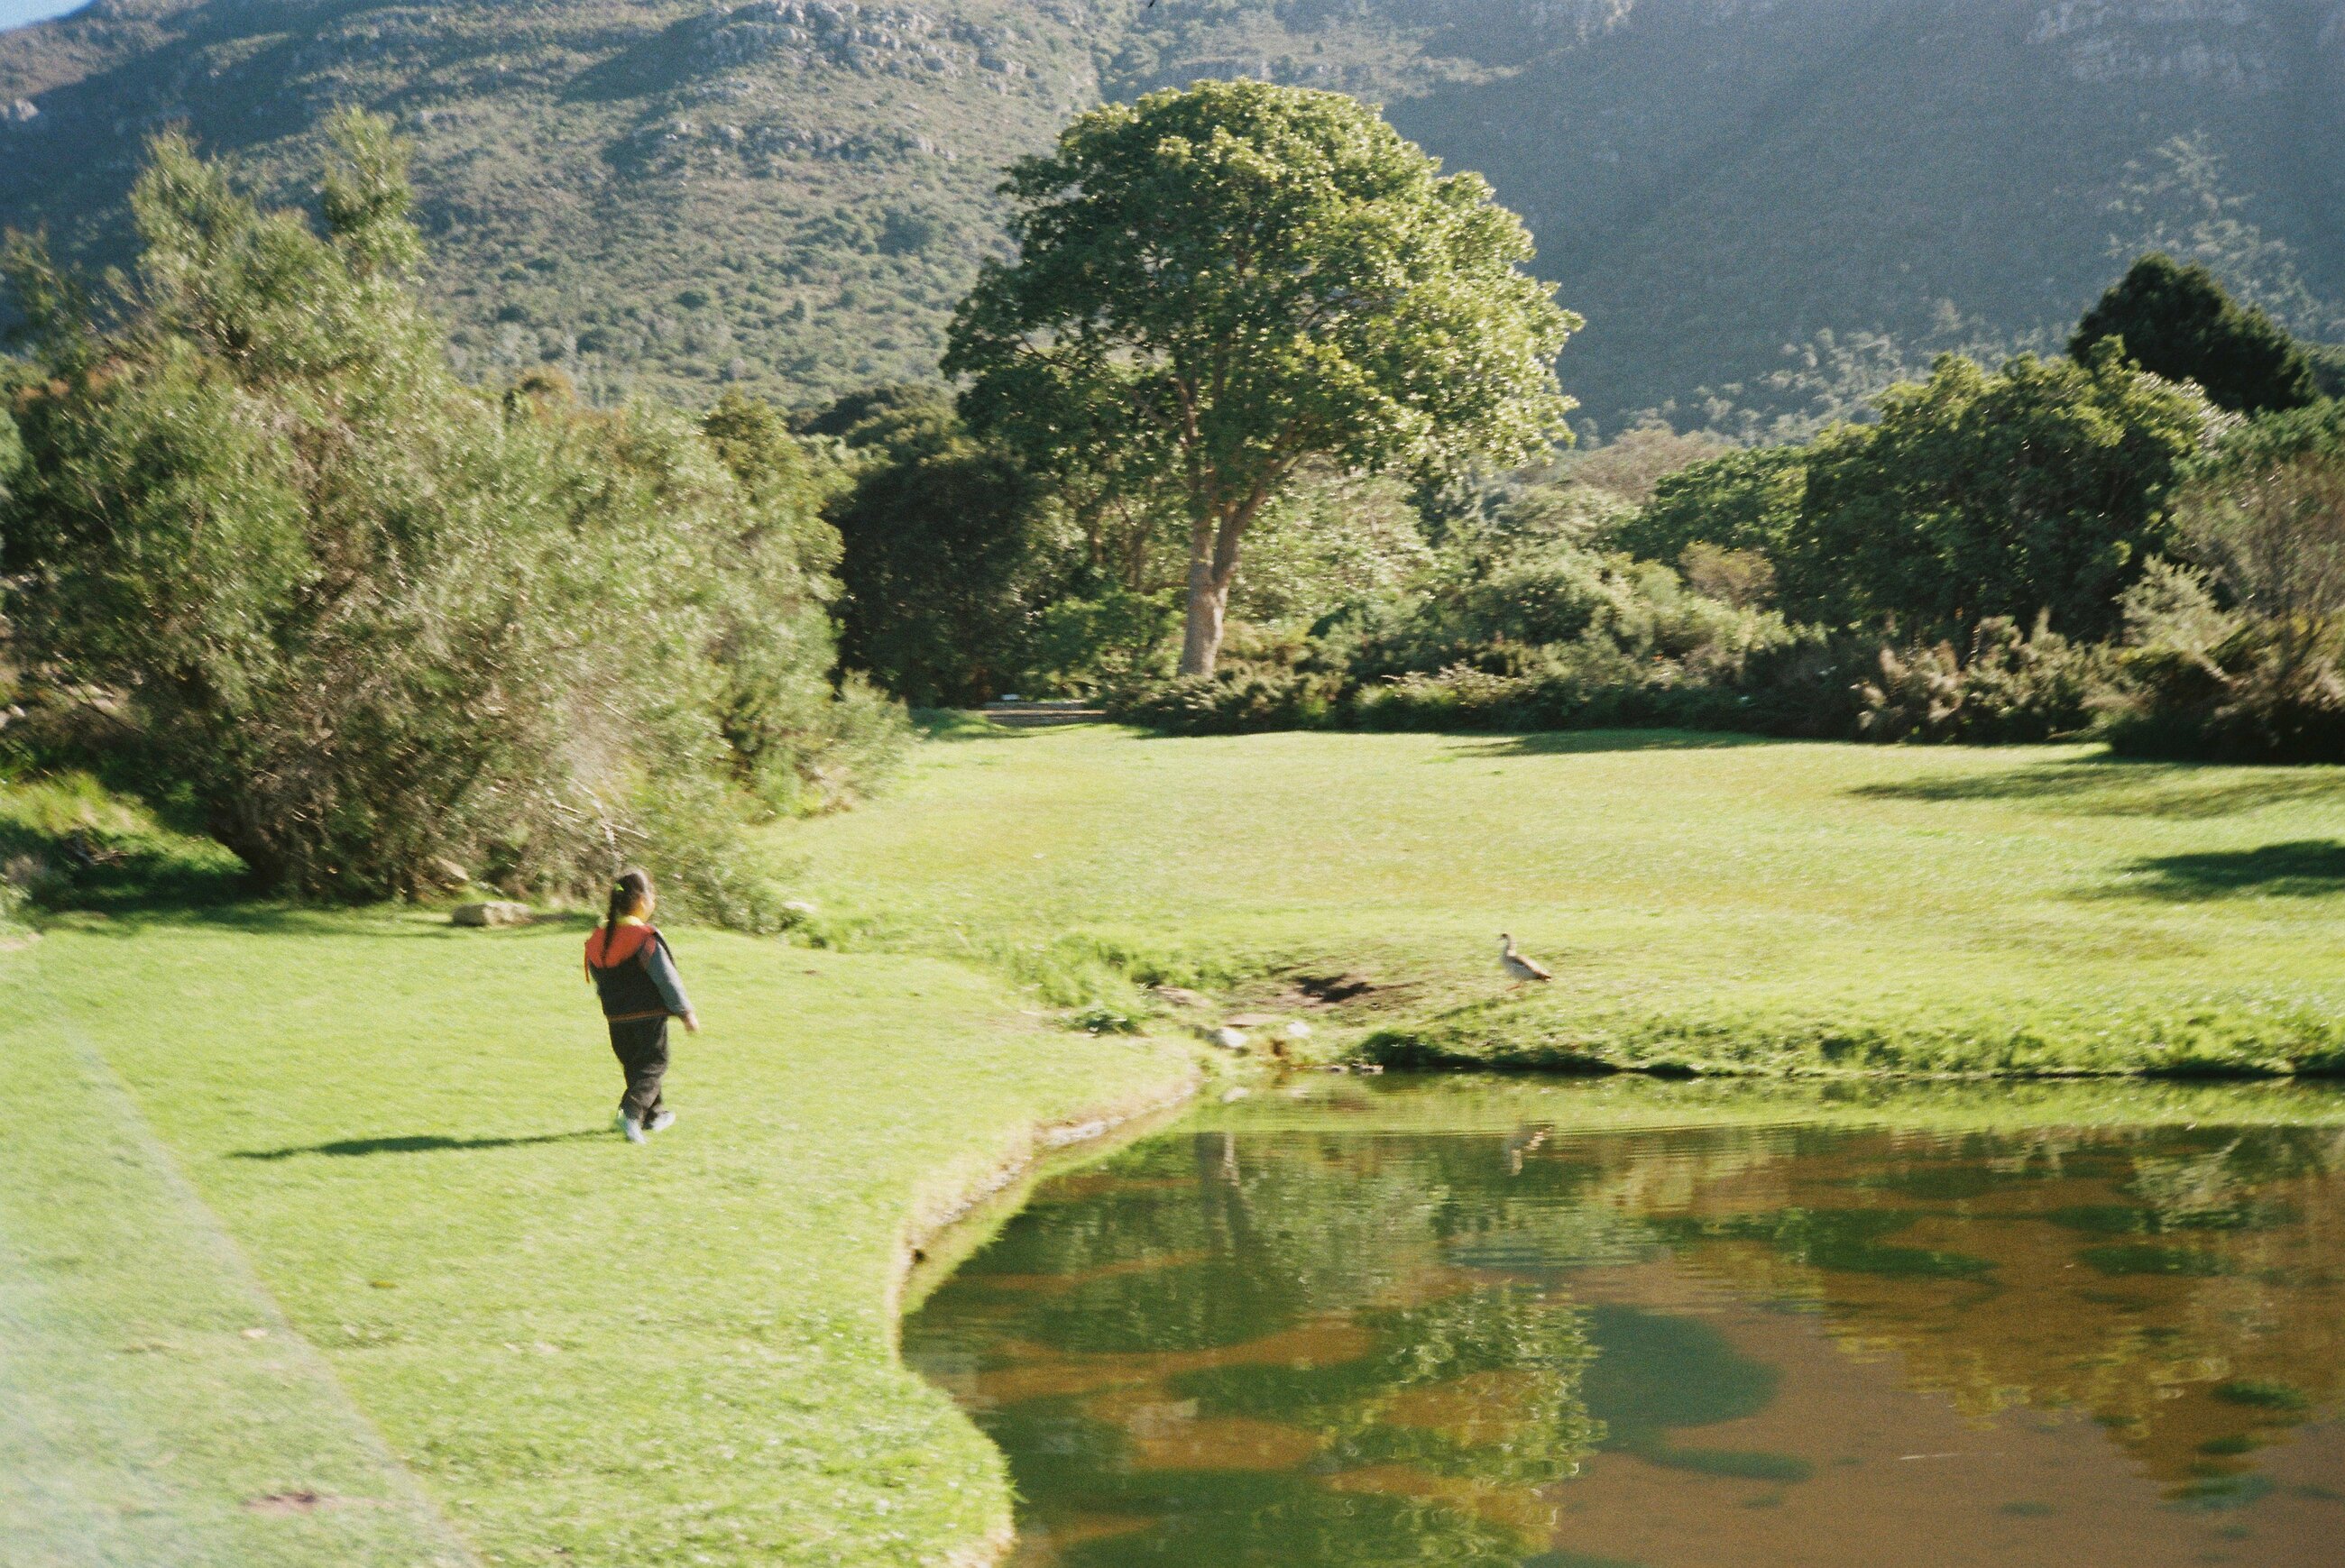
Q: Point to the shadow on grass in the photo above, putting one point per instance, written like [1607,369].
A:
[958,724]
[2306,868]
[2111,786]
[82,868]
[414,1143]
[260,918]
[87,879]
[1555,742]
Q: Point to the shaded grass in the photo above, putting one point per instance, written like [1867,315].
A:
[2311,869]
[573,1350]
[66,840]
[1708,906]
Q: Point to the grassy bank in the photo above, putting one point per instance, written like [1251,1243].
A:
[315,1247]
[1706,904]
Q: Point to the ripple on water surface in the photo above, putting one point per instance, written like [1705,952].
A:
[1589,1324]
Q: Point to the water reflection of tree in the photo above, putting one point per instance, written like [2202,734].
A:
[1425,1427]
[1390,1315]
[1501,1363]
[2143,1278]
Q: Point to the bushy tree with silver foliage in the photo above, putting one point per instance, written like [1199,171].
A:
[362,615]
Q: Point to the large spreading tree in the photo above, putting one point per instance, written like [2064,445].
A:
[1221,287]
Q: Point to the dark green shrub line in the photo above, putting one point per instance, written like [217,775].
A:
[2224,630]
[2011,688]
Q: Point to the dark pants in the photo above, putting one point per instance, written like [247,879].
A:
[641,1046]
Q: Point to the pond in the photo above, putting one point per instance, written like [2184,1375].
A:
[1566,1325]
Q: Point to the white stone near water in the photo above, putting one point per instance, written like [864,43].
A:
[496,912]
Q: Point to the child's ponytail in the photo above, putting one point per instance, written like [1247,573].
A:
[630,893]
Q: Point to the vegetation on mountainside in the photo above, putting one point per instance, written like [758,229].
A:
[787,197]
[1220,289]
[267,555]
[668,198]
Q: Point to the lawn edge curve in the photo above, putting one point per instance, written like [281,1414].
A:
[944,1205]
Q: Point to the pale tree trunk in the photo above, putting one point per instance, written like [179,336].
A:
[1214,534]
[1209,601]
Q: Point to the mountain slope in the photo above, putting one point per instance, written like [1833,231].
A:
[1759,205]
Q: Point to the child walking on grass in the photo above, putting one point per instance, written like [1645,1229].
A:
[636,976]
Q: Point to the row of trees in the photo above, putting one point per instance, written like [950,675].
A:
[2166,500]
[263,550]
[1996,553]
[1250,320]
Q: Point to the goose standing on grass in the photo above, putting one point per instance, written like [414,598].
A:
[1517,966]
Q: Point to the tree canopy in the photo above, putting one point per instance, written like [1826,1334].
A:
[2177,322]
[1220,285]
[2036,488]
[944,553]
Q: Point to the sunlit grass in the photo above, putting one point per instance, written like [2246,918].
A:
[1704,903]
[573,1350]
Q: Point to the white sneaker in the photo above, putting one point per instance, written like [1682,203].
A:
[632,1127]
[662,1120]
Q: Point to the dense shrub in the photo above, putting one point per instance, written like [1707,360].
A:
[1494,606]
[1557,639]
[1747,498]
[2007,688]
[356,615]
[1800,686]
[1645,650]
[2240,653]
[2040,487]
[1111,639]
[1587,686]
[1236,700]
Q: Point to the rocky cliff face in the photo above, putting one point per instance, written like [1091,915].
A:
[1761,204]
[2227,43]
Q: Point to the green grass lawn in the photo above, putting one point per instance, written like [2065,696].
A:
[1725,905]
[315,1245]
[330,1205]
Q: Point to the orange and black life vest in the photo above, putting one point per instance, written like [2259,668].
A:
[622,972]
